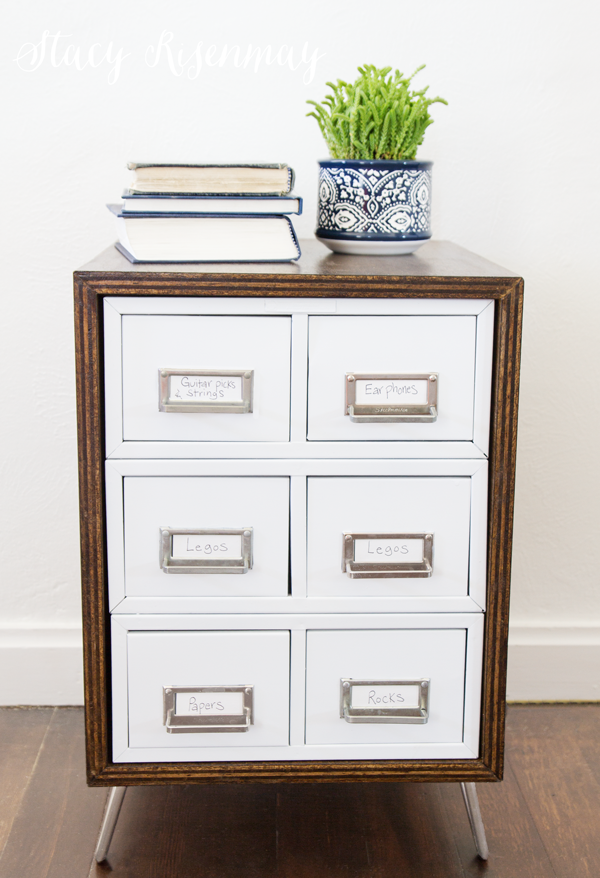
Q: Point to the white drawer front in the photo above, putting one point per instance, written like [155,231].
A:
[258,347]
[392,347]
[382,508]
[167,672]
[393,663]
[248,521]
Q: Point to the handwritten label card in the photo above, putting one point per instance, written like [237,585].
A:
[392,391]
[209,703]
[384,551]
[205,388]
[188,546]
[382,697]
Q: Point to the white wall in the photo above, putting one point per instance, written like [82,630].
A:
[516,179]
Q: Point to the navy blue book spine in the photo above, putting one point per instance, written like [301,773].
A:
[278,201]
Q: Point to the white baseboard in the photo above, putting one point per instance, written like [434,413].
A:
[553,663]
[545,663]
[41,666]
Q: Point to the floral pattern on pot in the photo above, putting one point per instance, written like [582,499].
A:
[374,200]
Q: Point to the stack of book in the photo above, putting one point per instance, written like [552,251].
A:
[208,213]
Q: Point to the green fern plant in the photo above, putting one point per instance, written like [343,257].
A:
[375,117]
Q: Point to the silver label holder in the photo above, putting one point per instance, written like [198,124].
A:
[168,564]
[225,407]
[177,725]
[384,413]
[409,715]
[387,570]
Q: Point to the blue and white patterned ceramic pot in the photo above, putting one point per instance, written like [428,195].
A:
[374,207]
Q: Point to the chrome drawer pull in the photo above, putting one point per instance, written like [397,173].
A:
[391,399]
[226,709]
[379,556]
[203,391]
[189,550]
[384,701]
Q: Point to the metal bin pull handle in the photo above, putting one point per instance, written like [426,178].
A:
[386,399]
[235,545]
[206,391]
[235,702]
[395,416]
[207,726]
[375,565]
[381,692]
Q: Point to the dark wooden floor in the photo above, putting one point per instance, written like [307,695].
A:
[543,821]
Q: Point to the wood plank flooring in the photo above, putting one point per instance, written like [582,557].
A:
[542,821]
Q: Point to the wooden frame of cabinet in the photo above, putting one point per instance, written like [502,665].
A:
[440,270]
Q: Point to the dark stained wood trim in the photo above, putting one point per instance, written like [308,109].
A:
[503,449]
[90,288]
[304,286]
[434,771]
[90,409]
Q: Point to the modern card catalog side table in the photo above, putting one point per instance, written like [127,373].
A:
[296,486]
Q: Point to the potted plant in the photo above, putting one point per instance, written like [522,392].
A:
[374,196]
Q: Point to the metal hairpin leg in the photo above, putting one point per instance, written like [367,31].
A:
[111,815]
[469,792]
[117,794]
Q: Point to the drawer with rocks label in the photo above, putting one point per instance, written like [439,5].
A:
[385,686]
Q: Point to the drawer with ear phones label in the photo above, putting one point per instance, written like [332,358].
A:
[381,399]
[395,378]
